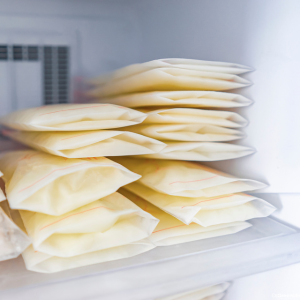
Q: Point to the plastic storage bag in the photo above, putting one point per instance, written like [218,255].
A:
[193,116]
[54,185]
[181,63]
[206,211]
[44,263]
[13,241]
[80,144]
[187,132]
[201,294]
[186,179]
[200,151]
[109,222]
[167,79]
[179,99]
[171,231]
[72,117]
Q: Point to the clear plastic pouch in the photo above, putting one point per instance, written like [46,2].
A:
[72,117]
[81,144]
[181,63]
[169,79]
[193,116]
[215,291]
[186,179]
[187,132]
[54,185]
[171,231]
[206,211]
[200,151]
[109,222]
[179,99]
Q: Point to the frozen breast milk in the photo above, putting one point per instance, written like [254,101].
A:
[181,63]
[95,143]
[171,231]
[187,132]
[201,294]
[109,222]
[179,99]
[200,151]
[108,229]
[205,211]
[169,79]
[54,185]
[72,117]
[186,179]
[44,263]
[193,116]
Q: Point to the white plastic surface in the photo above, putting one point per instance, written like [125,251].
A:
[164,270]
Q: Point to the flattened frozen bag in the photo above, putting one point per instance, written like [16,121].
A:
[171,231]
[181,63]
[201,294]
[179,99]
[168,79]
[193,116]
[72,117]
[54,185]
[109,228]
[203,210]
[78,144]
[187,132]
[110,222]
[200,151]
[186,179]
[44,263]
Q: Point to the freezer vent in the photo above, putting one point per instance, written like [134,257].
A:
[55,67]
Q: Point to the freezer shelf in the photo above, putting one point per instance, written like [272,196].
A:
[266,245]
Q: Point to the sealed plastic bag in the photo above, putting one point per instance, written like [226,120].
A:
[186,179]
[109,222]
[200,151]
[80,144]
[179,99]
[187,132]
[171,231]
[13,241]
[201,294]
[54,185]
[205,211]
[193,116]
[44,263]
[181,63]
[169,79]
[72,117]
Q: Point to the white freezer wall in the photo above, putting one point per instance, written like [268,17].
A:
[262,34]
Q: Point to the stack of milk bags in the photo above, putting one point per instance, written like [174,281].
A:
[178,96]
[66,191]
[69,206]
[191,201]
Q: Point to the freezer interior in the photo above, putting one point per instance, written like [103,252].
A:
[48,50]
